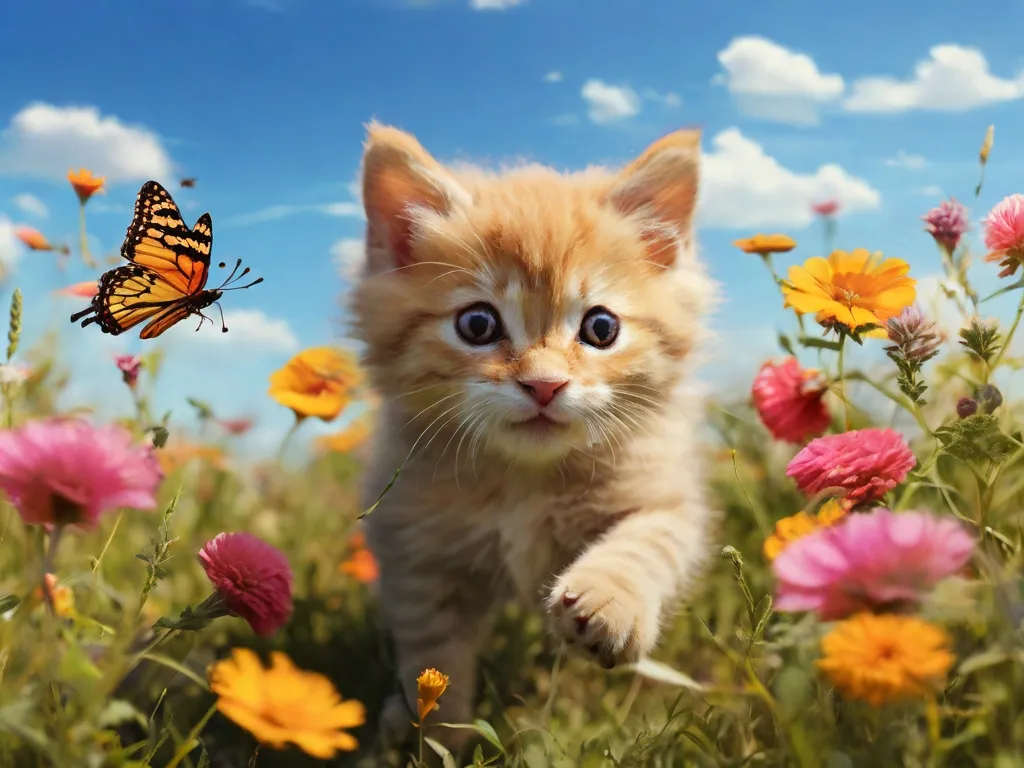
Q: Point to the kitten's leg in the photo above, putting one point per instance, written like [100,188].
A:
[612,600]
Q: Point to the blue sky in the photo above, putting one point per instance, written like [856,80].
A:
[882,106]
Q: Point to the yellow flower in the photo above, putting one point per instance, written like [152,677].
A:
[789,529]
[765,244]
[429,687]
[285,704]
[887,658]
[317,382]
[63,597]
[348,439]
[854,289]
[85,184]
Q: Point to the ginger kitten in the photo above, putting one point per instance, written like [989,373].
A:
[528,333]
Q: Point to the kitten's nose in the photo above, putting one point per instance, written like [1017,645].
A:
[542,391]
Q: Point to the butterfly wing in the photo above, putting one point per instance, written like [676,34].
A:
[159,240]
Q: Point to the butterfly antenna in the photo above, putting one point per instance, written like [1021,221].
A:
[233,271]
[257,281]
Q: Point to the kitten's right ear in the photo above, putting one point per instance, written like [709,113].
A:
[400,178]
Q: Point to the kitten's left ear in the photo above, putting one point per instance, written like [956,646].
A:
[660,187]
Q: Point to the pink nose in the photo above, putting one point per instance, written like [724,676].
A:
[542,391]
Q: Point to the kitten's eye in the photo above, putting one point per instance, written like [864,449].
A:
[479,325]
[600,328]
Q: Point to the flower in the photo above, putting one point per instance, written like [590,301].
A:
[986,145]
[178,452]
[869,561]
[826,207]
[429,687]
[361,564]
[252,577]
[348,439]
[85,290]
[855,289]
[238,426]
[766,244]
[789,529]
[947,223]
[1004,234]
[285,704]
[13,374]
[864,464]
[33,239]
[317,382]
[882,659]
[915,338]
[62,597]
[966,406]
[85,184]
[68,472]
[129,366]
[789,401]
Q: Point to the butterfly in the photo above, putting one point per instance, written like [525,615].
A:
[165,279]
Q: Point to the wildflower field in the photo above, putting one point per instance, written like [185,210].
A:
[166,605]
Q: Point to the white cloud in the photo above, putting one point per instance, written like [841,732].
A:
[669,99]
[553,77]
[774,82]
[953,78]
[46,140]
[345,208]
[10,246]
[31,205]
[249,327]
[349,256]
[494,5]
[607,103]
[932,190]
[907,160]
[743,187]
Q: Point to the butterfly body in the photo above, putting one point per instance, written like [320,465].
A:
[165,279]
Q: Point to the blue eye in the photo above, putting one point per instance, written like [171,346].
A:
[479,325]
[600,328]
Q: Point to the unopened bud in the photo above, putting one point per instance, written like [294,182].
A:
[990,398]
[966,406]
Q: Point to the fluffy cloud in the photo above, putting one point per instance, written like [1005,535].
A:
[246,327]
[10,247]
[345,208]
[31,205]
[607,103]
[953,78]
[772,82]
[744,187]
[669,99]
[931,190]
[907,160]
[349,256]
[494,5]
[45,140]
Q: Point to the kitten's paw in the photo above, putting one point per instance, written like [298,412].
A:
[603,614]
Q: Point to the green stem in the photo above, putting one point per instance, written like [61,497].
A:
[842,386]
[286,440]
[1010,333]
[183,748]
[84,244]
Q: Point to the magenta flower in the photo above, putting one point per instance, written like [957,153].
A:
[863,464]
[1004,234]
[67,472]
[130,366]
[252,578]
[947,223]
[873,561]
[826,207]
[789,401]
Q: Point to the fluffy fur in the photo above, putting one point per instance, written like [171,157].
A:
[600,518]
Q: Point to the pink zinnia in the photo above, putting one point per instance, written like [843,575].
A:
[253,579]
[865,464]
[947,223]
[870,561]
[1004,233]
[68,472]
[130,366]
[826,207]
[789,401]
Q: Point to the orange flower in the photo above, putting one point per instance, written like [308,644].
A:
[361,566]
[33,238]
[429,687]
[317,382]
[766,244]
[789,529]
[85,290]
[85,184]
[348,439]
[62,596]
[178,453]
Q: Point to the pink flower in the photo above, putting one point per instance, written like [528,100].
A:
[826,207]
[865,464]
[68,472]
[130,366]
[1004,234]
[789,401]
[85,290]
[253,579]
[869,561]
[947,223]
[237,426]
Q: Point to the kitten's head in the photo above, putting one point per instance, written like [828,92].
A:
[536,312]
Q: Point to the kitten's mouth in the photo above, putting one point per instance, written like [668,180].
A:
[539,424]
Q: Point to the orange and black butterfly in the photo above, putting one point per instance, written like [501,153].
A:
[165,281]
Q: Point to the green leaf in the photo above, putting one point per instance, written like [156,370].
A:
[786,344]
[483,728]
[1007,289]
[976,438]
[117,712]
[983,660]
[382,494]
[816,343]
[440,751]
[177,666]
[7,602]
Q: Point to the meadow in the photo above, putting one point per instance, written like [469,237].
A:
[830,632]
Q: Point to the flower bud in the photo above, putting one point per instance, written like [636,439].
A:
[966,406]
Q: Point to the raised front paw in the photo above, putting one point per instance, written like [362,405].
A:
[604,614]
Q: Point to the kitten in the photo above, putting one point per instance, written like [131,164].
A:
[528,333]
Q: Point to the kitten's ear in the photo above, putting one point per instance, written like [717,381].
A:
[399,178]
[660,187]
